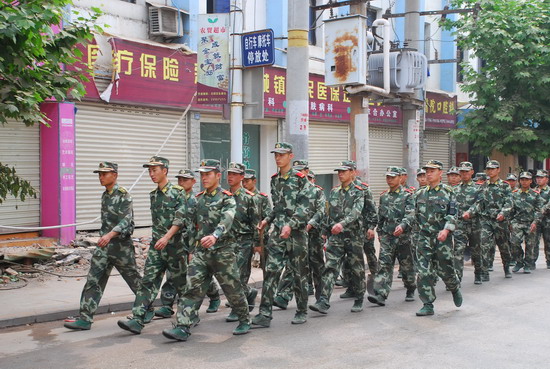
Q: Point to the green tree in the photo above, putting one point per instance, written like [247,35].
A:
[32,66]
[511,103]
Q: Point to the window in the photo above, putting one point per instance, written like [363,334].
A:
[372,15]
[217,6]
[312,23]
[130,1]
[459,68]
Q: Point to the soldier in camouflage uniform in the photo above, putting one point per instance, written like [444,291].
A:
[512,180]
[492,199]
[524,211]
[435,212]
[453,176]
[245,230]
[264,208]
[186,180]
[115,246]
[544,226]
[467,232]
[288,241]
[168,213]
[344,229]
[214,255]
[480,178]
[395,220]
[421,178]
[315,243]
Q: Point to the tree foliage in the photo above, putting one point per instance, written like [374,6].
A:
[509,94]
[32,66]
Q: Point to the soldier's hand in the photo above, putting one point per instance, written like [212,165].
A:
[258,249]
[398,231]
[161,244]
[285,232]
[104,241]
[262,225]
[189,257]
[208,241]
[370,234]
[337,228]
[442,236]
[308,227]
[466,215]
[533,228]
[500,217]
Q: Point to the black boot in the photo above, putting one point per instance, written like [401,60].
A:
[477,278]
[507,273]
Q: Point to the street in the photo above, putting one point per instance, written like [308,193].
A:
[502,324]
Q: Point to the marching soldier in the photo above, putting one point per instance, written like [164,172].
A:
[480,178]
[512,180]
[115,246]
[395,220]
[168,211]
[421,178]
[453,176]
[344,228]
[544,227]
[435,212]
[214,255]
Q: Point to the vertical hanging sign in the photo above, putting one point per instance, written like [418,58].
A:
[213,59]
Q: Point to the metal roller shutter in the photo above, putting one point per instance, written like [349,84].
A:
[20,148]
[437,146]
[129,136]
[328,145]
[386,149]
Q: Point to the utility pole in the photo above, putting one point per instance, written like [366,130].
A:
[296,127]
[411,121]
[236,20]
[359,119]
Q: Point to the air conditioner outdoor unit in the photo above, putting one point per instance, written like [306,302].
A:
[163,22]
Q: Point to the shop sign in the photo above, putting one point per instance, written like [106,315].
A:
[440,110]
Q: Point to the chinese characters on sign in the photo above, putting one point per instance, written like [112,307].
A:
[440,110]
[258,48]
[213,59]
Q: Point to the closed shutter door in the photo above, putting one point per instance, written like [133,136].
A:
[20,148]
[328,145]
[386,149]
[437,146]
[129,136]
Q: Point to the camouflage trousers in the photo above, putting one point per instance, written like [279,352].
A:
[118,254]
[290,253]
[172,258]
[347,245]
[467,234]
[316,268]
[544,231]
[219,262]
[494,233]
[372,260]
[520,234]
[243,252]
[392,248]
[434,258]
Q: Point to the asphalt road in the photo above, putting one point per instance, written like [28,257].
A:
[502,324]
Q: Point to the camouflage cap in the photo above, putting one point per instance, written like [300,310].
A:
[346,165]
[107,166]
[249,174]
[185,173]
[466,166]
[311,174]
[542,173]
[156,161]
[420,171]
[491,164]
[393,171]
[236,168]
[453,170]
[527,175]
[480,176]
[436,164]
[403,171]
[208,165]
[282,148]
[511,177]
[300,164]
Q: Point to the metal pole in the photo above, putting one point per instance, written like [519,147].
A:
[296,126]
[236,19]
[359,120]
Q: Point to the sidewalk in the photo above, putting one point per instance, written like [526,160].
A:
[58,298]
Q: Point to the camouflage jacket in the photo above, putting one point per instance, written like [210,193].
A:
[246,216]
[290,195]
[523,206]
[213,215]
[263,203]
[435,209]
[370,219]
[492,198]
[544,193]
[466,196]
[117,214]
[319,205]
[345,206]
[396,208]
[167,209]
